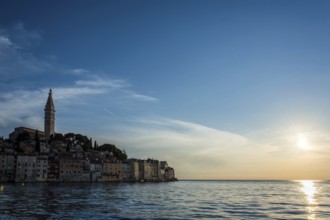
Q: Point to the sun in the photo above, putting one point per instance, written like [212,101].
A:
[302,142]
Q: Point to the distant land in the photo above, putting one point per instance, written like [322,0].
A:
[30,155]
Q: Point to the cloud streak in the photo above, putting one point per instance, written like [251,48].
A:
[100,82]
[140,97]
[4,41]
[194,149]
[199,151]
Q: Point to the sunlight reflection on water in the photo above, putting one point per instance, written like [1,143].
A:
[255,200]
[310,191]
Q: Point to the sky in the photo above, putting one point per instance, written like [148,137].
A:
[220,89]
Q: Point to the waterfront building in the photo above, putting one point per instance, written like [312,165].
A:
[95,170]
[24,158]
[155,170]
[71,169]
[163,167]
[169,174]
[149,170]
[135,174]
[7,167]
[49,117]
[42,168]
[126,170]
[25,168]
[111,170]
[53,169]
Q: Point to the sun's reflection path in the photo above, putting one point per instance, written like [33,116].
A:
[310,191]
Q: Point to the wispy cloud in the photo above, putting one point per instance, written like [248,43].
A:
[17,106]
[199,151]
[103,82]
[140,97]
[4,41]
[16,55]
[70,93]
[25,107]
[119,85]
[78,71]
[192,147]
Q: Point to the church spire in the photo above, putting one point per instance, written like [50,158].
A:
[49,116]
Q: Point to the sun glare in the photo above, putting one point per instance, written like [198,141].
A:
[310,191]
[302,142]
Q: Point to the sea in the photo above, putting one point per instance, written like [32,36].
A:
[169,200]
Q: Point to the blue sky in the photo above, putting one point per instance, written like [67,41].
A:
[219,89]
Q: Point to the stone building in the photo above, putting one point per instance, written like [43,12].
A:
[21,130]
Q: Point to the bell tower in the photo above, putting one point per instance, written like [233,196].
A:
[49,117]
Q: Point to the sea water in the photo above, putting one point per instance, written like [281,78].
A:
[170,200]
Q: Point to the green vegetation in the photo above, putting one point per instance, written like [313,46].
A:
[72,139]
[120,155]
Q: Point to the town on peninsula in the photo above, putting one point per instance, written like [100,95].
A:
[30,155]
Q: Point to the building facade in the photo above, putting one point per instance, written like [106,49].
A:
[111,171]
[42,168]
[7,167]
[71,169]
[26,168]
[30,131]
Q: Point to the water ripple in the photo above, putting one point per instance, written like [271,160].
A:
[175,200]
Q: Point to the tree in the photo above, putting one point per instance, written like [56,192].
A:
[124,152]
[69,137]
[115,151]
[59,137]
[84,141]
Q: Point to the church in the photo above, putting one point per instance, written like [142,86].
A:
[49,123]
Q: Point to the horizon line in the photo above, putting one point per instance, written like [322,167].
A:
[293,180]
